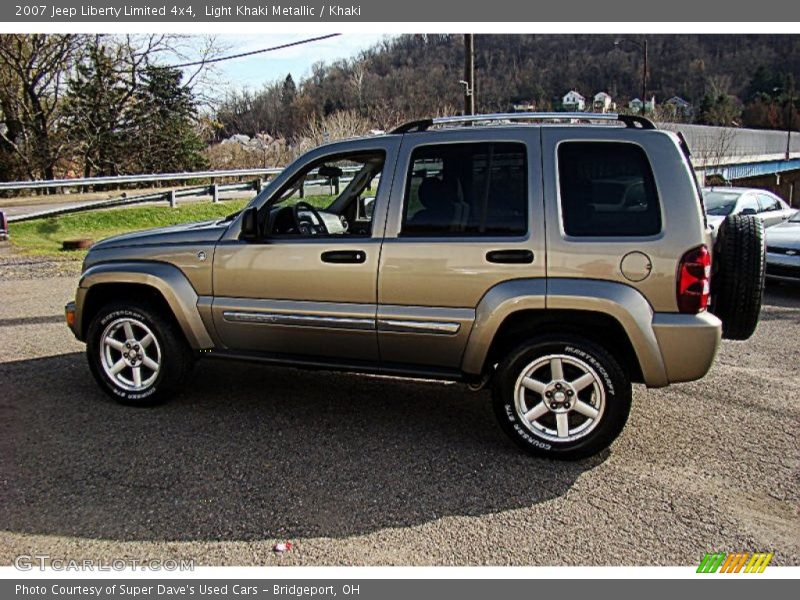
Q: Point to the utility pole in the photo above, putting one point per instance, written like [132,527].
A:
[644,78]
[469,74]
[643,47]
[789,123]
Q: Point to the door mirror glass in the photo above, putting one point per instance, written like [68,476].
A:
[330,171]
[366,208]
[749,211]
[249,224]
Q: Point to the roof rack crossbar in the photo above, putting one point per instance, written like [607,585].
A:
[631,121]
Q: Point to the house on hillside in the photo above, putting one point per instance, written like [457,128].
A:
[635,105]
[524,106]
[572,100]
[603,103]
[679,106]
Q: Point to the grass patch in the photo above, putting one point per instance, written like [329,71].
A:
[43,237]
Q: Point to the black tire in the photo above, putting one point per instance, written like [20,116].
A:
[615,408]
[737,281]
[176,358]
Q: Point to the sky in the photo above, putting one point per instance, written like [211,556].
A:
[254,71]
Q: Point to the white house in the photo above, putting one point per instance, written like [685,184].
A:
[636,105]
[680,106]
[603,103]
[524,107]
[572,100]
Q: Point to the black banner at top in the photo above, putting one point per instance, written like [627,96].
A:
[451,11]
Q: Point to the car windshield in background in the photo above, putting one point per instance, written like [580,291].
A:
[720,204]
[795,218]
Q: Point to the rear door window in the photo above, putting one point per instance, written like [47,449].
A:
[749,203]
[607,190]
[768,203]
[471,189]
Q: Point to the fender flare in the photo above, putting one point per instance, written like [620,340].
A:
[619,301]
[167,279]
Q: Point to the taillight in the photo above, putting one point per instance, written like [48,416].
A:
[694,280]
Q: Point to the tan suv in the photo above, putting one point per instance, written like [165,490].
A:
[560,257]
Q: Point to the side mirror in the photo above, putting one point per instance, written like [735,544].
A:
[366,208]
[249,224]
[748,211]
[330,171]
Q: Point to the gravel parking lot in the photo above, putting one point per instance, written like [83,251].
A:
[365,470]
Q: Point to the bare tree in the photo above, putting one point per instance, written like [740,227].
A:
[50,120]
[357,74]
[33,71]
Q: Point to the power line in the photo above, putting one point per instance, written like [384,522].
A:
[252,52]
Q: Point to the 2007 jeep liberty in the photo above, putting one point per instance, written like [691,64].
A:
[557,257]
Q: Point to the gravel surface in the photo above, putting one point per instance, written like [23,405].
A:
[366,470]
[16,267]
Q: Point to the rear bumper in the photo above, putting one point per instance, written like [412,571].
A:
[688,343]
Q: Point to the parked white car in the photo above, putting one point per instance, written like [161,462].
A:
[721,202]
[783,251]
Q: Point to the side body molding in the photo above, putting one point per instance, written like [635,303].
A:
[166,278]
[616,300]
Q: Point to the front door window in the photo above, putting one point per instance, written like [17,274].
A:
[330,197]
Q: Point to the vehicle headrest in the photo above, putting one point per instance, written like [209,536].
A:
[432,193]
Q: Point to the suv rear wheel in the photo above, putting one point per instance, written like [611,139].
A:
[561,397]
[138,357]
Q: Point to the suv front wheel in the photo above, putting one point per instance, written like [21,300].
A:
[561,397]
[137,356]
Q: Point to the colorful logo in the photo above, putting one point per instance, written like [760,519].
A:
[734,563]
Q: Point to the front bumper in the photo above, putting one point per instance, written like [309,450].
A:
[71,316]
[783,267]
[688,343]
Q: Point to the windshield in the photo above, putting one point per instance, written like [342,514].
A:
[795,218]
[720,204]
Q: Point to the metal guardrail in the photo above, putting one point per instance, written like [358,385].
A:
[120,179]
[170,196]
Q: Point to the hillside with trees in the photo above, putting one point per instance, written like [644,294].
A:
[742,80]
[94,105]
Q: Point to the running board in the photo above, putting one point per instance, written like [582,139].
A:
[321,363]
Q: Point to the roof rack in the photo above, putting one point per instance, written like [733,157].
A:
[630,121]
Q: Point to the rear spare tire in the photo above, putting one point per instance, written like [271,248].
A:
[737,282]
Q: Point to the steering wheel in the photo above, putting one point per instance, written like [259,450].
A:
[302,223]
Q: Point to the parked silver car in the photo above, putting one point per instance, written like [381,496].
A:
[783,250]
[721,202]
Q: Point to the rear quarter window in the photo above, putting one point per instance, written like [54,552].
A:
[607,190]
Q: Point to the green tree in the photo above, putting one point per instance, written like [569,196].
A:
[165,120]
[97,113]
[721,110]
[765,82]
[288,113]
[289,91]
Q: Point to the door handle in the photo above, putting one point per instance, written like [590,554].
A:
[510,256]
[344,256]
